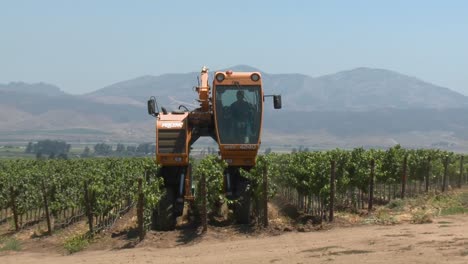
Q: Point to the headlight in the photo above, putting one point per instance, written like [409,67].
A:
[220,77]
[255,77]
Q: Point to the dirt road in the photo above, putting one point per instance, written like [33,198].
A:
[443,241]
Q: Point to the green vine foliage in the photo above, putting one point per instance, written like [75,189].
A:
[152,188]
[309,172]
[391,165]
[264,165]
[110,182]
[212,168]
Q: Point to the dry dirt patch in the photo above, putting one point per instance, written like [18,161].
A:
[364,244]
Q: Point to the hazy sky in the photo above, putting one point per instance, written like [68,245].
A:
[82,45]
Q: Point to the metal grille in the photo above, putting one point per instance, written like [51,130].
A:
[171,140]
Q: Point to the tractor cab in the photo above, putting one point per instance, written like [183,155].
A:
[239,110]
[238,107]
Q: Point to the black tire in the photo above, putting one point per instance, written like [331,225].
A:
[243,208]
[164,218]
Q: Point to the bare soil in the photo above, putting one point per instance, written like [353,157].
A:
[445,240]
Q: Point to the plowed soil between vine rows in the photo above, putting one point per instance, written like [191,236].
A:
[445,240]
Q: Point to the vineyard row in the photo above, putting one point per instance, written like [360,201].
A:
[101,189]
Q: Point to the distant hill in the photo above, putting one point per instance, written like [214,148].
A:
[371,123]
[33,88]
[363,106]
[37,104]
[367,89]
[360,89]
[30,114]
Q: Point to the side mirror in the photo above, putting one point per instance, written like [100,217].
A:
[152,107]
[277,101]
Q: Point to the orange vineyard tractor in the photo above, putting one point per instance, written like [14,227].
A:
[231,115]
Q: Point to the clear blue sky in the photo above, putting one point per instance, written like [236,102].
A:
[85,45]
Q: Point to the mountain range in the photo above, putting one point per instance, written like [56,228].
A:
[357,89]
[358,107]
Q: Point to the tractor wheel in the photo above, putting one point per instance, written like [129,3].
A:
[243,208]
[164,218]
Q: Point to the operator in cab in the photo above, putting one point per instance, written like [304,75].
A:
[242,113]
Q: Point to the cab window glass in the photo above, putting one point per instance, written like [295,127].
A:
[238,113]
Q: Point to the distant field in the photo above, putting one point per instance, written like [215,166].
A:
[14,152]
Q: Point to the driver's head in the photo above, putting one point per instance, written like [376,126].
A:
[240,95]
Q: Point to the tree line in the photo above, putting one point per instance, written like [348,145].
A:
[60,149]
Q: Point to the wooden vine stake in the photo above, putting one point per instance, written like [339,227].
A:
[141,228]
[13,207]
[46,208]
[404,177]
[332,191]
[89,212]
[444,180]
[204,210]
[428,174]
[460,177]
[371,186]
[265,196]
